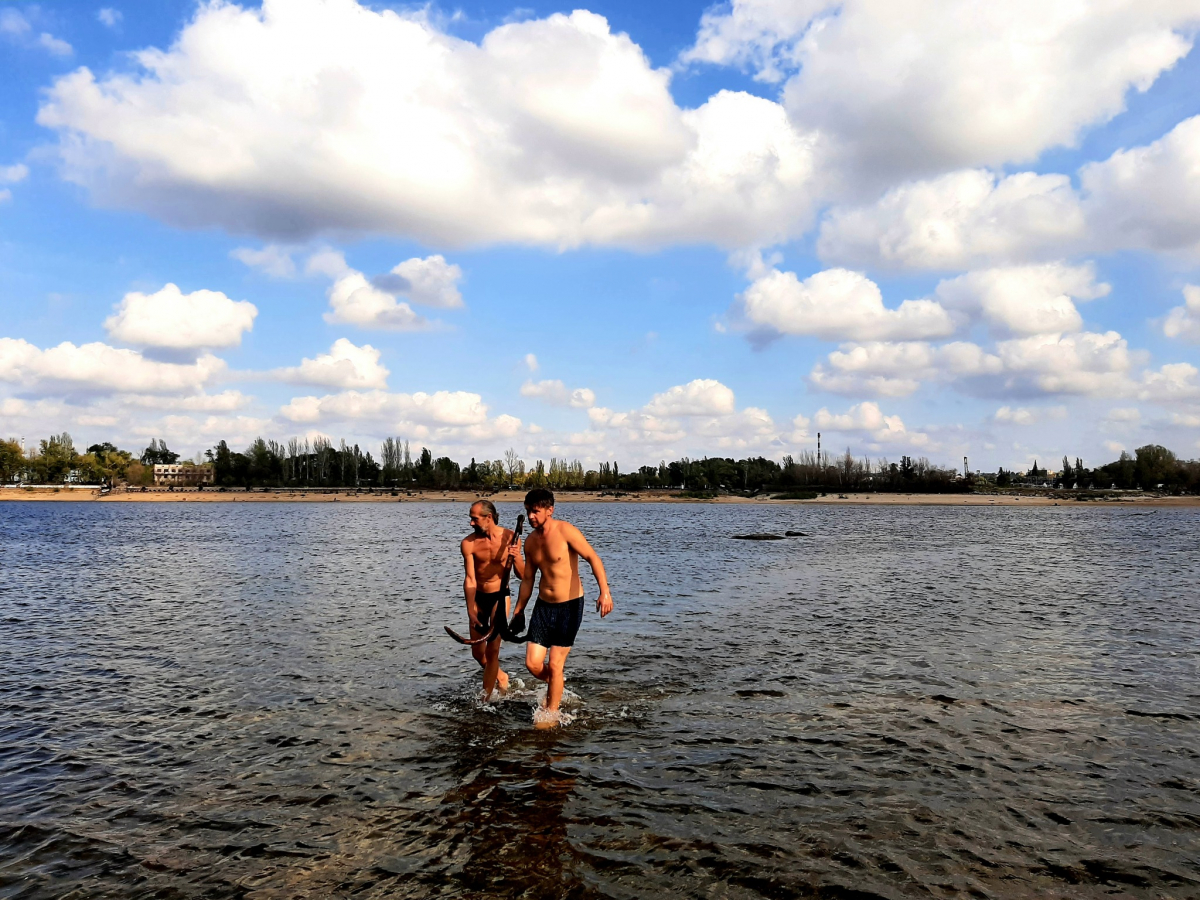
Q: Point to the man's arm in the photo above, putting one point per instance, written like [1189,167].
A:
[577,542]
[469,585]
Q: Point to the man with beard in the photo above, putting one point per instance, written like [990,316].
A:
[485,551]
[554,549]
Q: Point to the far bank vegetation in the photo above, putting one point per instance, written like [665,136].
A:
[320,463]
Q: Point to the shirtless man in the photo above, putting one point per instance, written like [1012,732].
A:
[485,552]
[554,549]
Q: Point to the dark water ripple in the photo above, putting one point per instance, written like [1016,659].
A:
[258,701]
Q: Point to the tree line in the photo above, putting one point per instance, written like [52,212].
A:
[1150,468]
[320,463]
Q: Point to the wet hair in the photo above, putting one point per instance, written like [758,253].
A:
[488,507]
[539,498]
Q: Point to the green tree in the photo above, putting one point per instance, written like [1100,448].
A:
[55,460]
[424,467]
[1155,465]
[12,461]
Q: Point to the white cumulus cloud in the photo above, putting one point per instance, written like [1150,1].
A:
[345,366]
[333,116]
[910,86]
[427,282]
[457,418]
[897,368]
[99,368]
[838,304]
[556,393]
[958,220]
[867,418]
[1183,322]
[354,300]
[1149,197]
[1086,363]
[701,397]
[1021,300]
[171,319]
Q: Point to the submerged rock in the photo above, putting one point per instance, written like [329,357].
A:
[758,537]
[794,534]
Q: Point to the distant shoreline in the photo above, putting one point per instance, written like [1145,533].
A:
[211,495]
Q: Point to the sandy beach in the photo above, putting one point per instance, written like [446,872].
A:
[237,495]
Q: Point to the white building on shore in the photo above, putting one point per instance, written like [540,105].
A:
[183,474]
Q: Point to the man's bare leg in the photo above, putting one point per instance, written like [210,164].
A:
[492,673]
[488,656]
[548,667]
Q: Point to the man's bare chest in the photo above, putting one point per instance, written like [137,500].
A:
[551,555]
[488,556]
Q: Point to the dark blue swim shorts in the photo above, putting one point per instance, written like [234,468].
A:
[555,624]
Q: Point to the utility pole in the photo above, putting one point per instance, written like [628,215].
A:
[818,449]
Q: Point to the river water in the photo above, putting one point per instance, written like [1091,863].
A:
[258,700]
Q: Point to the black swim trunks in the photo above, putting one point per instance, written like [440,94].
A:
[555,624]
[485,604]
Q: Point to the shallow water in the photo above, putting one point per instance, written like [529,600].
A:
[259,701]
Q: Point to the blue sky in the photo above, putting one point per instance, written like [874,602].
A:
[631,232]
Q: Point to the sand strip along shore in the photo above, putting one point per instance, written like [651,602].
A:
[213,495]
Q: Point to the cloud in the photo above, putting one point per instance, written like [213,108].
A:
[557,394]
[1142,198]
[14,173]
[917,87]
[1172,383]
[837,304]
[1148,197]
[54,46]
[99,368]
[1022,415]
[273,259]
[13,24]
[109,17]
[18,28]
[11,175]
[552,132]
[439,408]
[172,320]
[344,366]
[427,282]
[701,397]
[1025,299]
[226,401]
[531,362]
[1183,322]
[1086,363]
[866,418]
[443,417]
[354,300]
[958,220]
[897,369]
[1123,415]
[701,413]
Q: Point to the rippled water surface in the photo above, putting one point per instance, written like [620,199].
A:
[258,700]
